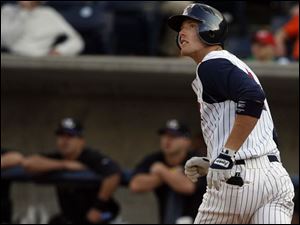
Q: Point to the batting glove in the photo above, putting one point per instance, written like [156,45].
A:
[196,167]
[220,169]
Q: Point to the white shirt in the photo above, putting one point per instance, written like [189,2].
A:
[32,33]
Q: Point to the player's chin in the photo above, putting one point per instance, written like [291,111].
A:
[185,52]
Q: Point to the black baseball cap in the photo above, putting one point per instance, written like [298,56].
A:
[69,126]
[176,128]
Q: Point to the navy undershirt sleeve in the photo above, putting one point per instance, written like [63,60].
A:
[221,81]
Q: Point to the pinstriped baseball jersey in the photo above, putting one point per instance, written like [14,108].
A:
[218,115]
[225,87]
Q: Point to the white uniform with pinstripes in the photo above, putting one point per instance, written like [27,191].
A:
[266,196]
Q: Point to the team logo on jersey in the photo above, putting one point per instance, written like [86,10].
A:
[249,74]
[241,104]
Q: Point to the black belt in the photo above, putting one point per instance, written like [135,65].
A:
[272,158]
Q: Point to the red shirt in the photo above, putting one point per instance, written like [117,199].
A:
[292,30]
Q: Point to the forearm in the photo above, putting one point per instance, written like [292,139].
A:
[280,38]
[242,127]
[11,159]
[109,186]
[74,43]
[144,182]
[178,181]
[40,164]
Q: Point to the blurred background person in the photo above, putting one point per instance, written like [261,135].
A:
[8,159]
[79,203]
[162,172]
[289,32]
[31,29]
[263,46]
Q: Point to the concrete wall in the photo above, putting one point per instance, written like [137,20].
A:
[121,115]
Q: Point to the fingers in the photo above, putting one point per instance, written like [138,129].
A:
[197,161]
[192,162]
[192,174]
[194,179]
[227,175]
[215,178]
[209,179]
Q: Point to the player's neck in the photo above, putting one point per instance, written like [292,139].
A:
[199,55]
[74,155]
[176,159]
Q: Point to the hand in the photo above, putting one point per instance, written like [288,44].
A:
[196,167]
[94,216]
[73,165]
[157,168]
[220,169]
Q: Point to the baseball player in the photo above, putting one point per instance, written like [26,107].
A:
[246,180]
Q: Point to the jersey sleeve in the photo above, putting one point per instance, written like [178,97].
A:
[221,81]
[101,164]
[145,165]
[52,155]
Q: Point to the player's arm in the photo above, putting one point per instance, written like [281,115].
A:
[175,178]
[250,104]
[42,164]
[11,159]
[109,186]
[109,170]
[144,182]
[280,39]
[242,127]
[226,81]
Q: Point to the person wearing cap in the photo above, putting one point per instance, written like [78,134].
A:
[263,46]
[162,172]
[79,203]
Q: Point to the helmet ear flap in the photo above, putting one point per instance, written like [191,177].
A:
[211,34]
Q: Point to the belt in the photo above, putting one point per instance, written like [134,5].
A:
[272,158]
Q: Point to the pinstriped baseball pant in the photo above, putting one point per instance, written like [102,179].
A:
[265,198]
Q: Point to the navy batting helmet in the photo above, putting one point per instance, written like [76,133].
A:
[212,24]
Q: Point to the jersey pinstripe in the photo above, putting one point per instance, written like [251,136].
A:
[267,193]
[217,119]
[265,198]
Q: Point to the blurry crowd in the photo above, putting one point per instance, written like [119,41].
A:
[260,31]
[161,172]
